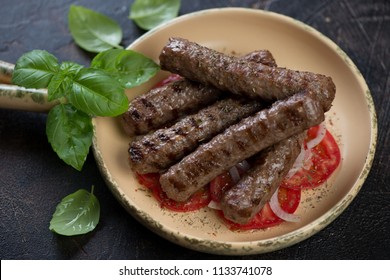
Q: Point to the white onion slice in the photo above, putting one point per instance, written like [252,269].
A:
[214,205]
[234,174]
[298,163]
[319,137]
[278,211]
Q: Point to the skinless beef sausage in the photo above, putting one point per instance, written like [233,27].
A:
[157,151]
[283,119]
[162,105]
[245,199]
[255,80]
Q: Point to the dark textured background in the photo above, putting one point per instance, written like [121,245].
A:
[33,180]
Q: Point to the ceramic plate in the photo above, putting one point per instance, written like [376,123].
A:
[294,45]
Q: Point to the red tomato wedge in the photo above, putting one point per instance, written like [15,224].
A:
[197,201]
[324,159]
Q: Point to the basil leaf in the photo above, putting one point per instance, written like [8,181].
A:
[93,31]
[130,68]
[61,81]
[96,93]
[147,14]
[69,132]
[35,69]
[77,213]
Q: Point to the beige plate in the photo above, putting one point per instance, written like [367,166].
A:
[295,45]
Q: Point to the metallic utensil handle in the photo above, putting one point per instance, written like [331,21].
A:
[20,98]
[27,99]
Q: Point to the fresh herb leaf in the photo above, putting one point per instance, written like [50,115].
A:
[96,93]
[147,14]
[62,81]
[58,86]
[93,31]
[69,132]
[77,213]
[35,69]
[130,68]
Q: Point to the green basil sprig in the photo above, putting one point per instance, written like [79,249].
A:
[93,31]
[87,92]
[83,93]
[147,14]
[77,213]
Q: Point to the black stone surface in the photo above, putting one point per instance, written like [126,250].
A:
[33,180]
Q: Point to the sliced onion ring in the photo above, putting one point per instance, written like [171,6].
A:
[305,153]
[298,163]
[319,137]
[278,211]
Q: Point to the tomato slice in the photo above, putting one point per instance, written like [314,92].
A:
[197,201]
[324,159]
[150,180]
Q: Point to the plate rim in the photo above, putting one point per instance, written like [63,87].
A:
[270,244]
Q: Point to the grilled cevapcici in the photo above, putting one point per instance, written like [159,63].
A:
[251,79]
[300,100]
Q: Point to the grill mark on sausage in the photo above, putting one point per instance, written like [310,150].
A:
[148,104]
[163,137]
[135,153]
[179,131]
[193,122]
[177,87]
[135,114]
[254,133]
